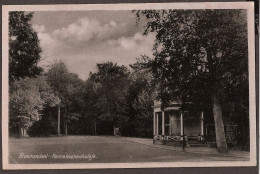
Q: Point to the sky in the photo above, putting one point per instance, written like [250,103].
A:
[81,39]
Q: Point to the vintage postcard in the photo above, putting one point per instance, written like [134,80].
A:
[128,85]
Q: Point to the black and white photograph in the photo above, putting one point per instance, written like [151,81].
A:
[128,85]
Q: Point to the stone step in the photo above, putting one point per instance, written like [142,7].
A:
[198,145]
[197,142]
[176,144]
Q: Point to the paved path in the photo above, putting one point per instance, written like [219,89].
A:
[197,150]
[101,149]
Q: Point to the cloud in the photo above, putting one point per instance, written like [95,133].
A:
[132,42]
[39,28]
[86,42]
[86,30]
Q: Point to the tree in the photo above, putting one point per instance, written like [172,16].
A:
[69,89]
[198,53]
[111,82]
[28,97]
[24,49]
[57,77]
[91,111]
[75,101]
[140,97]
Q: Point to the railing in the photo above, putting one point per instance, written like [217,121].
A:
[177,138]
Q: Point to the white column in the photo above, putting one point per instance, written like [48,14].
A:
[157,123]
[202,123]
[181,124]
[154,124]
[163,124]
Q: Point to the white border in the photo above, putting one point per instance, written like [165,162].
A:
[249,6]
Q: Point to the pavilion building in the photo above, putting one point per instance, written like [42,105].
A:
[173,125]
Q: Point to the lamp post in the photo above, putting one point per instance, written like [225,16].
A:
[183,131]
[58,124]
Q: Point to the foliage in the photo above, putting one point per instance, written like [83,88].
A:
[28,97]
[89,108]
[58,78]
[199,54]
[117,96]
[24,50]
[140,97]
[69,88]
[111,85]
[194,49]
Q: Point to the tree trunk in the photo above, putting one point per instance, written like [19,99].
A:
[66,129]
[219,125]
[95,133]
[58,131]
[23,132]
[114,130]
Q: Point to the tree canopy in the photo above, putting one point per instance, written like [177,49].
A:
[24,49]
[111,84]
[28,97]
[69,88]
[196,49]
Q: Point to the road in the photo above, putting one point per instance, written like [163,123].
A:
[96,149]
